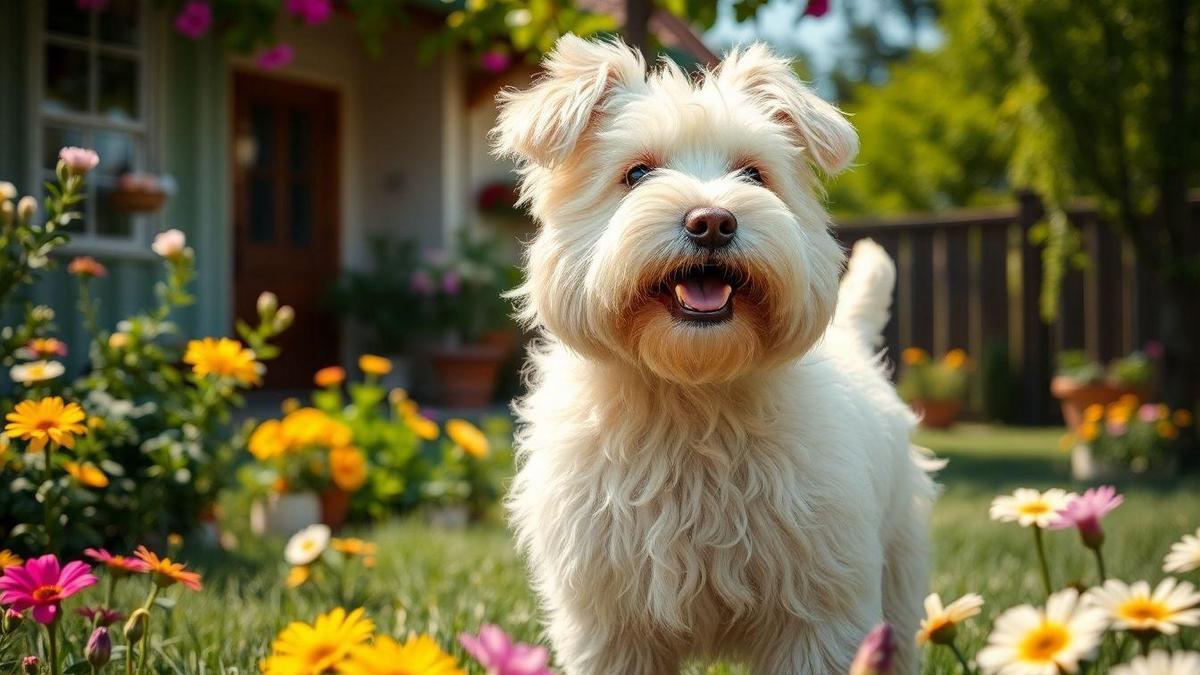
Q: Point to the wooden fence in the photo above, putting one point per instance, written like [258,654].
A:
[972,279]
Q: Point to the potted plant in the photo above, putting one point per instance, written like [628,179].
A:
[1080,382]
[1125,436]
[141,192]
[934,388]
[462,306]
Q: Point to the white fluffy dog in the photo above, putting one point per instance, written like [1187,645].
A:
[712,461]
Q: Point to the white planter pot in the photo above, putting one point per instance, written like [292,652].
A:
[1085,467]
[284,514]
[453,517]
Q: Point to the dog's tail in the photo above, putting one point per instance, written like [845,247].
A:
[865,296]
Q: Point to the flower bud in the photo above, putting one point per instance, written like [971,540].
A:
[6,213]
[135,627]
[26,208]
[99,648]
[78,161]
[268,302]
[284,318]
[877,653]
[7,190]
[30,665]
[12,618]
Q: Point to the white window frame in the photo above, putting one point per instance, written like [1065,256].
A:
[147,141]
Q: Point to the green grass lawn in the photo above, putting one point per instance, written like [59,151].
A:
[445,582]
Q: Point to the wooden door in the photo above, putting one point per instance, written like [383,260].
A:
[286,186]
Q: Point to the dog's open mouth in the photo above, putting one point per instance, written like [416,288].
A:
[702,294]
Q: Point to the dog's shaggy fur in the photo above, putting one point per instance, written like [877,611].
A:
[739,489]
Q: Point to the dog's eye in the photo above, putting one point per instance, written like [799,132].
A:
[636,174]
[753,175]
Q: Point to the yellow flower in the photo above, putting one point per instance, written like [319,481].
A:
[914,355]
[297,576]
[268,441]
[1135,607]
[352,546]
[468,437]
[348,468]
[329,377]
[310,649]
[955,358]
[1166,430]
[1130,401]
[1119,413]
[1093,413]
[1182,418]
[87,474]
[118,340]
[224,358]
[425,429]
[9,559]
[290,405]
[420,655]
[374,365]
[49,420]
[174,540]
[1089,431]
[940,623]
[397,396]
[309,426]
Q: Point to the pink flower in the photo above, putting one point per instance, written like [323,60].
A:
[816,8]
[312,12]
[877,652]
[169,244]
[494,61]
[451,283]
[101,615]
[276,57]
[194,19]
[1115,428]
[78,160]
[1085,511]
[1148,412]
[41,583]
[117,564]
[499,655]
[421,283]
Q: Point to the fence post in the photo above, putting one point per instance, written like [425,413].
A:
[1035,406]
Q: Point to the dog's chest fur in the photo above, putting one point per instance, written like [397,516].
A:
[692,515]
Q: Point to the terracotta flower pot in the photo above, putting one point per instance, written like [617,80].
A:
[335,507]
[138,201]
[467,375]
[1076,397]
[937,414]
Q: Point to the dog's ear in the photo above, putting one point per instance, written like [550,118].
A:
[542,124]
[822,129]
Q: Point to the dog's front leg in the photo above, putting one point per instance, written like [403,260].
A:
[586,647]
[795,647]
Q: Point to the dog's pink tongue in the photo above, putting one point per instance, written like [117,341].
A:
[703,294]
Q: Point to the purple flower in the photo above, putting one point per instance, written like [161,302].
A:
[499,655]
[276,57]
[194,19]
[876,653]
[99,648]
[1154,349]
[312,12]
[1085,511]
[451,283]
[494,61]
[816,8]
[421,283]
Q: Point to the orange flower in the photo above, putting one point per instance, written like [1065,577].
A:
[86,266]
[166,572]
[955,358]
[87,474]
[352,546]
[374,365]
[1182,418]
[468,437]
[329,377]
[1166,430]
[348,468]
[914,355]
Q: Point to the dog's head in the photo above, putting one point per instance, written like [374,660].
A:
[682,226]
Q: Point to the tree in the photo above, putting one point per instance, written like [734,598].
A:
[1105,102]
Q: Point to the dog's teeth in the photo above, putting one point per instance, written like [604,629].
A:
[725,293]
[680,294]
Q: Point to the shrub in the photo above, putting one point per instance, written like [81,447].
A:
[924,379]
[1133,434]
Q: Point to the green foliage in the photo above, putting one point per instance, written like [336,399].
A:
[158,434]
[999,383]
[381,297]
[929,380]
[1133,371]
[460,293]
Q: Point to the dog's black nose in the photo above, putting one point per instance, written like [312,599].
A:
[710,227]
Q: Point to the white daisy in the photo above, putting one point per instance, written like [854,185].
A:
[1029,507]
[939,622]
[1184,555]
[1031,641]
[1135,608]
[36,371]
[1161,663]
[307,545]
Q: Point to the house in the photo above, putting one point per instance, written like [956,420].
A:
[283,176]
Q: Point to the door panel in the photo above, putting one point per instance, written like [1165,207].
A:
[286,181]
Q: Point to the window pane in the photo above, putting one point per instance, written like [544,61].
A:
[262,209]
[109,221]
[56,138]
[65,18]
[300,140]
[263,128]
[66,80]
[119,23]
[118,88]
[116,150]
[301,207]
